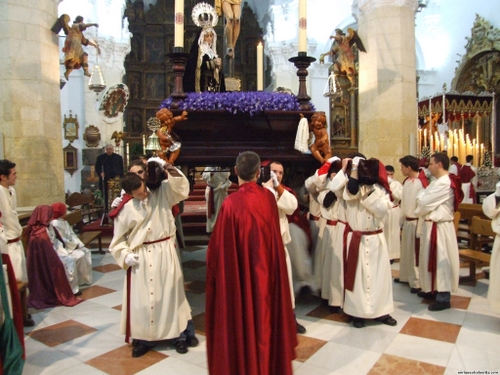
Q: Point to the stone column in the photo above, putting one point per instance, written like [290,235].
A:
[30,117]
[387,78]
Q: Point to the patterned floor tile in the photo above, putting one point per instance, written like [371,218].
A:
[194,264]
[60,333]
[307,347]
[196,286]
[95,291]
[322,312]
[121,362]
[107,268]
[393,365]
[431,329]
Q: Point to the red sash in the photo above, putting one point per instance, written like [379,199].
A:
[432,266]
[116,211]
[352,259]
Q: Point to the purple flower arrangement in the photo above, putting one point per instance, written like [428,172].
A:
[251,102]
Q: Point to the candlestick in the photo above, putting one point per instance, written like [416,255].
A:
[179,24]
[144,143]
[302,26]
[260,67]
[425,137]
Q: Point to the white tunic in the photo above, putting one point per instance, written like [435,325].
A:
[392,222]
[219,182]
[491,210]
[372,293]
[158,306]
[12,228]
[67,260]
[76,249]
[408,270]
[435,204]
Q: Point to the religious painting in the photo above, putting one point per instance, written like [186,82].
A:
[70,125]
[155,83]
[133,124]
[155,50]
[113,102]
[70,159]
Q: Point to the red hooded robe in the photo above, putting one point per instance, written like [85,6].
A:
[250,326]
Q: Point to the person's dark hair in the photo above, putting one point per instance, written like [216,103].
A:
[78,19]
[410,161]
[454,159]
[247,165]
[389,168]
[352,155]
[131,182]
[137,162]
[5,167]
[469,158]
[439,157]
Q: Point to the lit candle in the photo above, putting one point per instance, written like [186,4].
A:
[179,24]
[144,143]
[303,26]
[127,154]
[425,137]
[260,67]
[431,144]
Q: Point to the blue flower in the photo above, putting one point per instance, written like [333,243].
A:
[251,102]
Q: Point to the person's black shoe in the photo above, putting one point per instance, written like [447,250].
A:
[79,293]
[358,322]
[28,322]
[415,290]
[438,306]
[388,320]
[181,347]
[140,349]
[426,295]
[300,328]
[398,280]
[335,309]
[192,341]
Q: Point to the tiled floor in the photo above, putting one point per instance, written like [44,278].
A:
[84,339]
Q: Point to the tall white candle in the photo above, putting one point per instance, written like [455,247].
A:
[260,67]
[127,154]
[179,24]
[144,143]
[302,25]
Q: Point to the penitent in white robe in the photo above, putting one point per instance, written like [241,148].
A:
[492,210]
[392,222]
[13,230]
[372,293]
[435,204]
[219,182]
[75,248]
[159,309]
[408,270]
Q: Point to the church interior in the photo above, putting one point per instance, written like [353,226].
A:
[428,80]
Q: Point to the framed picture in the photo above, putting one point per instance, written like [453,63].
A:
[70,159]
[70,125]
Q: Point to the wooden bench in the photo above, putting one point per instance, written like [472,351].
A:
[467,212]
[480,231]
[75,218]
[85,203]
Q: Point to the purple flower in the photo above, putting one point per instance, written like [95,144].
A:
[252,102]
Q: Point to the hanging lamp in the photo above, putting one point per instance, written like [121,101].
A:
[96,82]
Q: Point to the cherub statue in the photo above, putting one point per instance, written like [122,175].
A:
[342,53]
[320,149]
[74,55]
[171,149]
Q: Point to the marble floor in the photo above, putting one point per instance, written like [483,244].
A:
[85,339]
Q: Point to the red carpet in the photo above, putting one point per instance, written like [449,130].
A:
[107,230]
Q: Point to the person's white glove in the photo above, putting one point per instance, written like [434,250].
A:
[497,191]
[274,178]
[132,260]
[389,179]
[158,160]
[116,202]
[333,159]
[356,160]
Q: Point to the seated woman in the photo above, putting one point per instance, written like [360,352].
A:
[71,245]
[47,281]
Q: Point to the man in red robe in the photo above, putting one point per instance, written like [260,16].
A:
[250,326]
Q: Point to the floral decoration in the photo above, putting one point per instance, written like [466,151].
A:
[251,102]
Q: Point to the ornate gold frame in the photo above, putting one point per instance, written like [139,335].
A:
[70,125]
[70,159]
